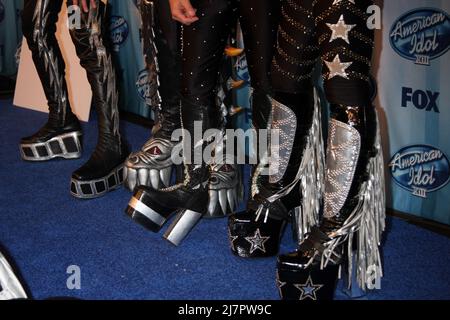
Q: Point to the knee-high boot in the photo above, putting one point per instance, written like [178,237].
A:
[294,158]
[61,135]
[354,206]
[152,165]
[103,172]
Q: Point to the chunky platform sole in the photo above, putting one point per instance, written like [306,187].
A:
[181,226]
[96,188]
[140,210]
[152,216]
[249,239]
[311,283]
[67,146]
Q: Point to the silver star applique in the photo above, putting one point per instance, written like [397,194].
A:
[280,285]
[232,239]
[338,68]
[308,289]
[339,1]
[340,30]
[257,242]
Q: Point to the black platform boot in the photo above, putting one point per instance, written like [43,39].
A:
[60,137]
[103,172]
[353,208]
[257,232]
[354,205]
[152,165]
[152,208]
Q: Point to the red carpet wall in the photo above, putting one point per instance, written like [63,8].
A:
[412,66]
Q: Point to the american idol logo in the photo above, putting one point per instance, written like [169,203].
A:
[119,30]
[421,35]
[143,86]
[2,12]
[420,169]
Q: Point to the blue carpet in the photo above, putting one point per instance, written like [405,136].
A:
[46,230]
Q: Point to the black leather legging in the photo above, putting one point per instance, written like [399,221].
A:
[204,43]
[39,27]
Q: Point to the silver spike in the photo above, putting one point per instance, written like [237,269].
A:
[232,199]
[132,176]
[223,200]
[143,177]
[213,200]
[154,178]
[165,176]
[125,173]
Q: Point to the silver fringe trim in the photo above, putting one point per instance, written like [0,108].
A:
[367,223]
[344,147]
[312,179]
[57,79]
[284,122]
[310,176]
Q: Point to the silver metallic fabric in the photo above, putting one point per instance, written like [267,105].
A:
[366,223]
[10,287]
[312,176]
[344,146]
[284,122]
[56,76]
[105,60]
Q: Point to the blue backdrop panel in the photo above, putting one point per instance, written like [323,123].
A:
[125,26]
[10,35]
[414,82]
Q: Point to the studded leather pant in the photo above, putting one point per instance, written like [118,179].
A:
[204,43]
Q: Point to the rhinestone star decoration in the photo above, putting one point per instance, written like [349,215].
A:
[338,68]
[340,30]
[308,289]
[339,1]
[232,238]
[280,285]
[257,242]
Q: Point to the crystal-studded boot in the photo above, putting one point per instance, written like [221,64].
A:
[353,211]
[103,172]
[60,137]
[336,33]
[298,157]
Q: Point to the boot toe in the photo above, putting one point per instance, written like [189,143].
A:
[254,239]
[297,279]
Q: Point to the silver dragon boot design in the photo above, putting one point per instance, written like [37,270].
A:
[152,165]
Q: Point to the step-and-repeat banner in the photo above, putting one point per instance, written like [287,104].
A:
[413,72]
[412,67]
[126,40]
